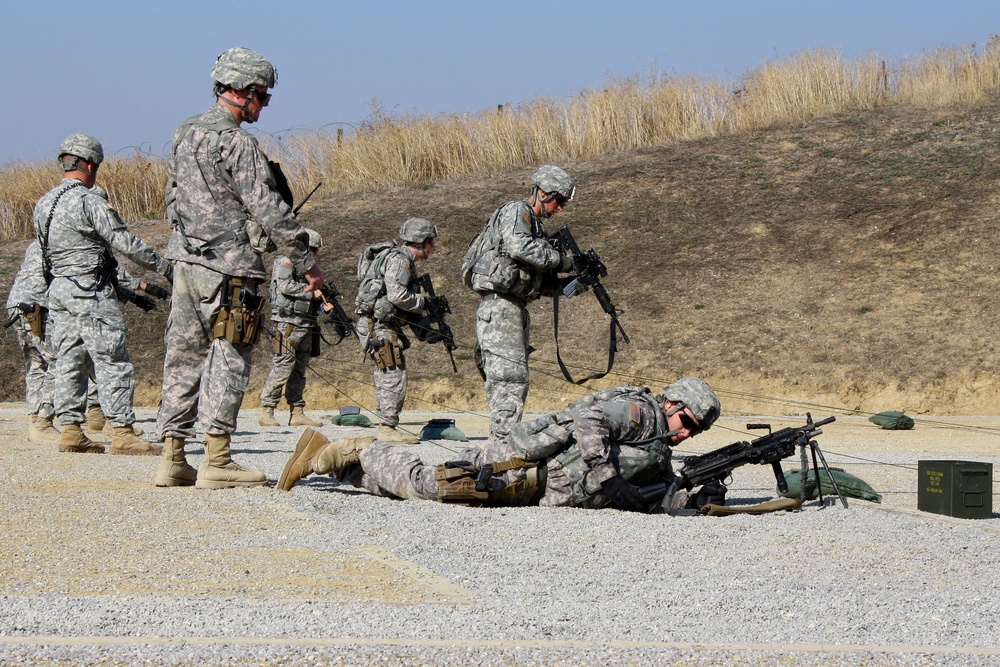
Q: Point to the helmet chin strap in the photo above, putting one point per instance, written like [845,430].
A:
[245,107]
[544,200]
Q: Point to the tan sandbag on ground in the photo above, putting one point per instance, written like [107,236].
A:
[779,505]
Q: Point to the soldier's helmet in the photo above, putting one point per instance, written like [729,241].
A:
[239,68]
[553,180]
[82,146]
[315,240]
[417,230]
[696,395]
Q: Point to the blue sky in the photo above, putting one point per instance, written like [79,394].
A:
[129,72]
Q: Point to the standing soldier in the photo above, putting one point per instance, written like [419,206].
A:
[225,212]
[511,263]
[388,297]
[294,308]
[76,231]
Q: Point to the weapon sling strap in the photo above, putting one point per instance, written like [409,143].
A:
[612,345]
[43,237]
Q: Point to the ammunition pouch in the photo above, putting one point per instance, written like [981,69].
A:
[239,320]
[388,353]
[461,483]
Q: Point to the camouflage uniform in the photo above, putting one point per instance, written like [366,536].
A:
[385,324]
[79,230]
[30,289]
[578,448]
[208,202]
[293,312]
[502,319]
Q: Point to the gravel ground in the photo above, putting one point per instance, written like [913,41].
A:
[100,567]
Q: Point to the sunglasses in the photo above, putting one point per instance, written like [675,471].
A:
[263,98]
[690,424]
[562,201]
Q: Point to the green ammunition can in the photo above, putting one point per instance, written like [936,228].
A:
[962,489]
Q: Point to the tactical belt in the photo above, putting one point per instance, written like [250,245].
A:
[492,296]
[237,321]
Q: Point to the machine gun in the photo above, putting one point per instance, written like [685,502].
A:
[342,323]
[589,270]
[717,465]
[433,328]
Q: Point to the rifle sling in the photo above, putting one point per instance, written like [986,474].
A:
[612,345]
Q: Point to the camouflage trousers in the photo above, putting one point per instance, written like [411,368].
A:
[502,329]
[87,335]
[397,472]
[38,361]
[390,383]
[293,345]
[203,379]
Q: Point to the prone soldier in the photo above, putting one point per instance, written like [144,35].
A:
[599,452]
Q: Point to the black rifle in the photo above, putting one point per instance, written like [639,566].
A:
[717,465]
[303,202]
[433,328]
[589,270]
[342,322]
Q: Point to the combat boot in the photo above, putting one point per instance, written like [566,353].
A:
[126,442]
[392,436]
[314,453]
[219,471]
[267,419]
[96,421]
[174,469]
[298,418]
[110,430]
[73,440]
[41,430]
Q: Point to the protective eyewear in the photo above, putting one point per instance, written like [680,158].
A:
[689,423]
[263,98]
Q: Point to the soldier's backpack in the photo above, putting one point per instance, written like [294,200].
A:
[484,246]
[371,275]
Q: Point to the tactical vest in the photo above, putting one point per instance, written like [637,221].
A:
[283,306]
[243,230]
[552,436]
[486,267]
[371,299]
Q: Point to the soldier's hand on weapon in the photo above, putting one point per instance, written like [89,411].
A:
[154,290]
[326,306]
[566,263]
[624,496]
[572,286]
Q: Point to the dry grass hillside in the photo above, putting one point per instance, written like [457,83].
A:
[847,261]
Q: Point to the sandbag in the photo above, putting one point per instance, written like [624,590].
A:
[892,420]
[351,416]
[850,485]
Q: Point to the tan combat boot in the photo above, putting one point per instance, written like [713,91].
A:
[392,436]
[299,418]
[96,421]
[267,418]
[315,454]
[219,471]
[126,443]
[41,430]
[110,430]
[75,441]
[174,469]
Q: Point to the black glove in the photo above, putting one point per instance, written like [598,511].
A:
[157,291]
[624,496]
[143,302]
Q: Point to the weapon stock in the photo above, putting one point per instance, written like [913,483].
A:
[437,308]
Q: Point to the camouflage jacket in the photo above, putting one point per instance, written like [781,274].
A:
[79,229]
[218,181]
[517,258]
[290,302]
[29,284]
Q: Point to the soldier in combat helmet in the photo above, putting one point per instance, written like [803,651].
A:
[596,453]
[387,299]
[225,211]
[294,308]
[514,265]
[77,230]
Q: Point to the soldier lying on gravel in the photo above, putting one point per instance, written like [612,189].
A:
[596,453]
